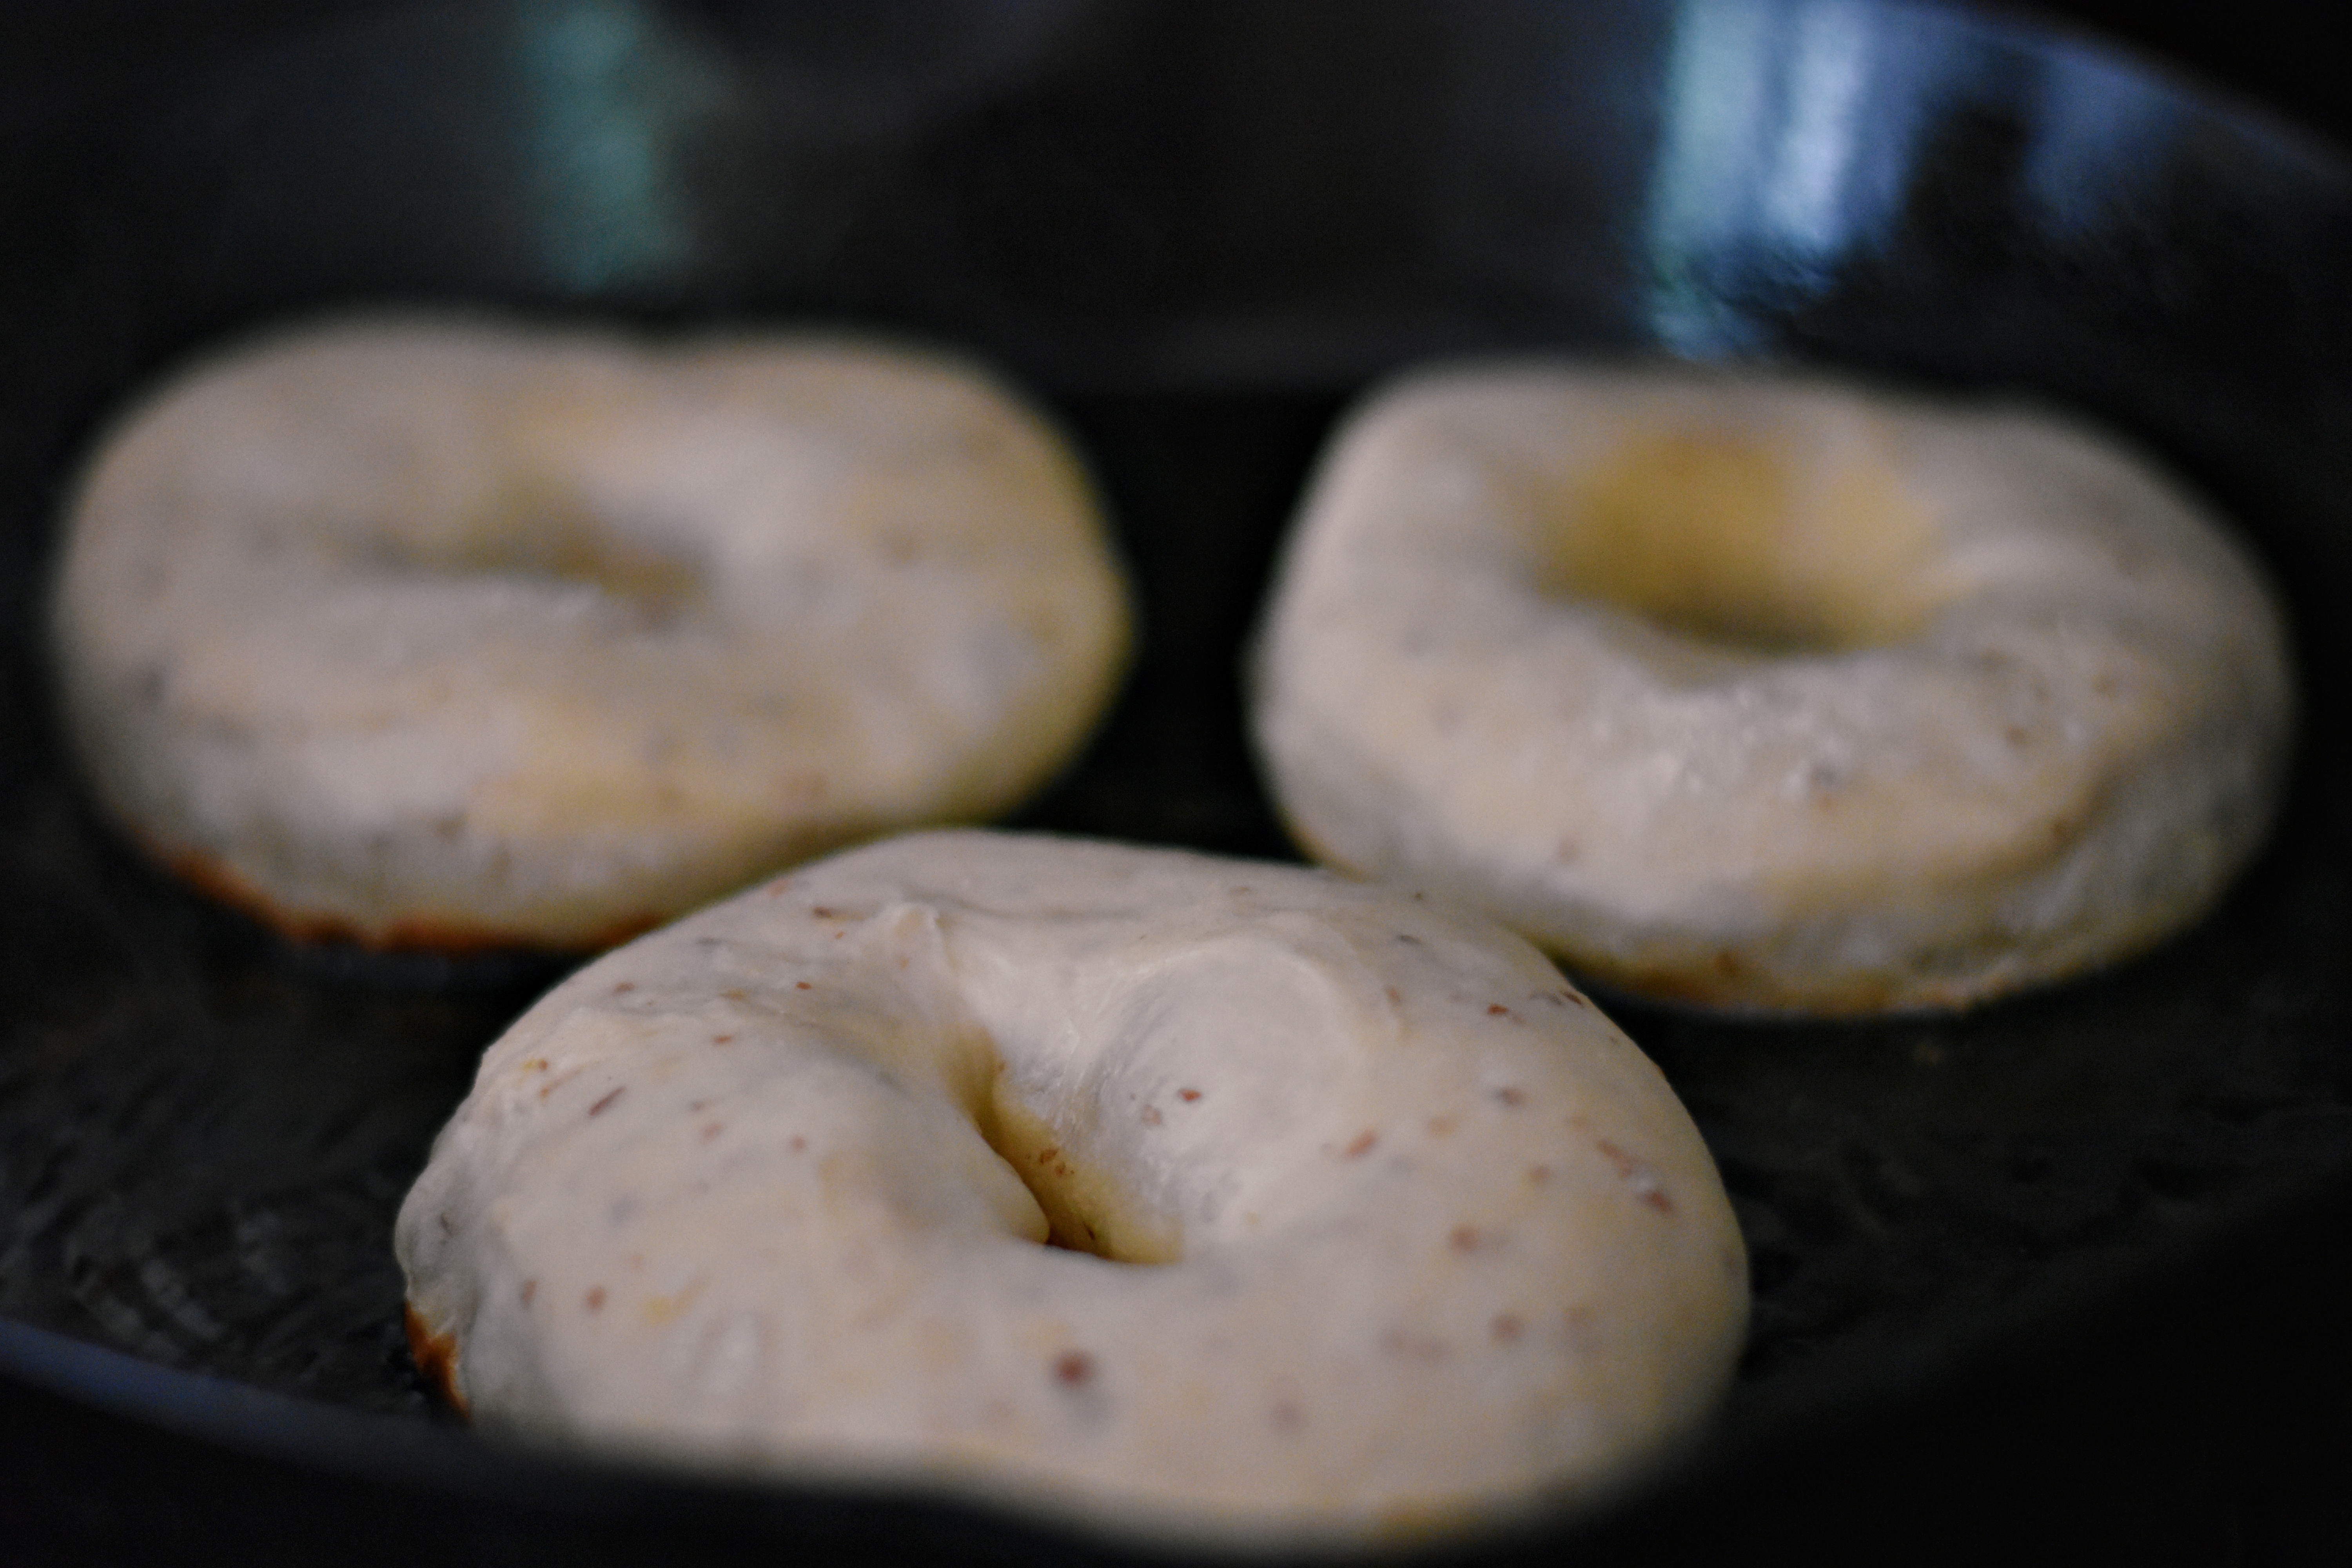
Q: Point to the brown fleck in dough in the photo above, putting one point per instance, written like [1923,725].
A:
[989,1271]
[1770,692]
[458,635]
[1640,1178]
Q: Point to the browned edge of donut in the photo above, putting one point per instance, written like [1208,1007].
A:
[212,877]
[1727,988]
[435,1356]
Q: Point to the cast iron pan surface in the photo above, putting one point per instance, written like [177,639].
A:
[2080,1250]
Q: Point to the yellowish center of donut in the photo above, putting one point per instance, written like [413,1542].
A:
[543,532]
[1087,1208]
[1725,539]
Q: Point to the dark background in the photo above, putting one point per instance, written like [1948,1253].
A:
[2276,52]
[2205,1418]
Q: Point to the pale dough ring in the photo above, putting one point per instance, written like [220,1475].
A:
[1768,693]
[448,633]
[1387,1228]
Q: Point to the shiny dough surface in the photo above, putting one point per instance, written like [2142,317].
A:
[1768,693]
[442,633]
[1362,1223]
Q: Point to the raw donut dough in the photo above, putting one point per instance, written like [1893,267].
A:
[446,633]
[1762,692]
[1370,1222]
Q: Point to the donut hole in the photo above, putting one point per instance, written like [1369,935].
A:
[1732,541]
[1152,1102]
[1086,1209]
[548,534]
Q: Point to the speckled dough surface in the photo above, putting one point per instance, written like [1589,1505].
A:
[1367,1222]
[1770,692]
[446,633]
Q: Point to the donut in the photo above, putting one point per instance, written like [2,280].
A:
[1203,1198]
[456,633]
[1765,692]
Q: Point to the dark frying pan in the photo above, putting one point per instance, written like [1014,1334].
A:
[2081,1250]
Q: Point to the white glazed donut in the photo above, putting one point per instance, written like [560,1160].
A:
[1767,693]
[1368,1224]
[451,634]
